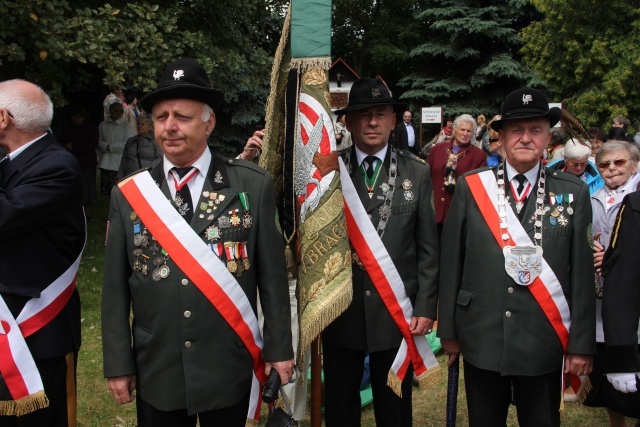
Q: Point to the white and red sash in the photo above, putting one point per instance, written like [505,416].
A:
[546,288]
[196,260]
[17,366]
[385,277]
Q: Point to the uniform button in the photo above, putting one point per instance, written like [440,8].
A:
[185,282]
[368,293]
[510,290]
[442,200]
[187,314]
[187,344]
[508,314]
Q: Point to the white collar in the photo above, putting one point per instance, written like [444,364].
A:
[531,174]
[202,164]
[20,149]
[360,156]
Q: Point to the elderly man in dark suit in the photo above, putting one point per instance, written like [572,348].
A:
[404,136]
[516,276]
[40,210]
[393,189]
[190,244]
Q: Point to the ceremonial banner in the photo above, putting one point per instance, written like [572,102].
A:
[299,151]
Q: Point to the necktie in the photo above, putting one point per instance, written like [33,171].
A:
[522,180]
[183,195]
[370,161]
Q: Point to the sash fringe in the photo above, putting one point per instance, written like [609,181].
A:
[251,423]
[394,383]
[25,405]
[430,377]
[305,64]
[584,390]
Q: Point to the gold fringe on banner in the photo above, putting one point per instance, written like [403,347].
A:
[584,389]
[305,64]
[25,405]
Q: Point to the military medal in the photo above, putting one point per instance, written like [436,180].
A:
[205,194]
[563,221]
[245,256]
[212,233]
[246,218]
[520,198]
[569,199]
[553,221]
[408,195]
[204,206]
[224,221]
[235,219]
[406,184]
[232,266]
[133,216]
[164,270]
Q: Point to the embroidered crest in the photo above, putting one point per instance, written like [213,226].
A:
[526,99]
[178,74]
[375,92]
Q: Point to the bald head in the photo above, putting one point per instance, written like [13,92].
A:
[28,105]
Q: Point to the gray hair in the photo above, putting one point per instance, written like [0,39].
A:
[207,111]
[146,119]
[576,149]
[29,114]
[617,145]
[465,118]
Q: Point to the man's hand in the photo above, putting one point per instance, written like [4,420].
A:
[122,388]
[451,348]
[253,146]
[578,364]
[598,252]
[420,325]
[625,383]
[285,369]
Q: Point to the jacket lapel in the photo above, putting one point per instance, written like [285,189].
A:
[215,190]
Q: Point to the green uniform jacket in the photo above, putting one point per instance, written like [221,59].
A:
[412,242]
[499,324]
[184,353]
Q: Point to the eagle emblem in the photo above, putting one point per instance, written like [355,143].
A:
[526,99]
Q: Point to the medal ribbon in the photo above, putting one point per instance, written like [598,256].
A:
[519,198]
[202,267]
[546,288]
[385,277]
[181,182]
[17,366]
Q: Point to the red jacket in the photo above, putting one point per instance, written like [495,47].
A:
[473,158]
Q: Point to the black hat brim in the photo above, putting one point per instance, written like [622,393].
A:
[553,115]
[397,106]
[211,97]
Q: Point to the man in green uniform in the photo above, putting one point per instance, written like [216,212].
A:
[190,272]
[395,191]
[516,274]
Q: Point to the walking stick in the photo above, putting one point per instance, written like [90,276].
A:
[452,393]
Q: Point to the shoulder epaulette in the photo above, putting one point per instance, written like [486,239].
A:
[245,164]
[410,155]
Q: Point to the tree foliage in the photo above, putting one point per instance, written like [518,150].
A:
[467,59]
[586,51]
[68,47]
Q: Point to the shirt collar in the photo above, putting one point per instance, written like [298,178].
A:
[380,155]
[202,163]
[531,174]
[19,150]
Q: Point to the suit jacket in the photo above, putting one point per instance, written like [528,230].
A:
[184,353]
[621,298]
[473,158]
[499,324]
[42,232]
[400,139]
[411,240]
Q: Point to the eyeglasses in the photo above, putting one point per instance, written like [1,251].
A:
[493,140]
[9,113]
[617,163]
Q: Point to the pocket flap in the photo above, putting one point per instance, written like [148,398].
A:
[464,297]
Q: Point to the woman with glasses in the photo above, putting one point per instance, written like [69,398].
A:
[617,162]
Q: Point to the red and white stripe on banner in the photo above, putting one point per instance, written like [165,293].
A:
[385,277]
[546,288]
[17,366]
[196,260]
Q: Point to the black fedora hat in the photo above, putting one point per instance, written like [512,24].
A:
[367,92]
[184,78]
[526,103]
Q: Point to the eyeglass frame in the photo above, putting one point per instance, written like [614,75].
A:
[616,163]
